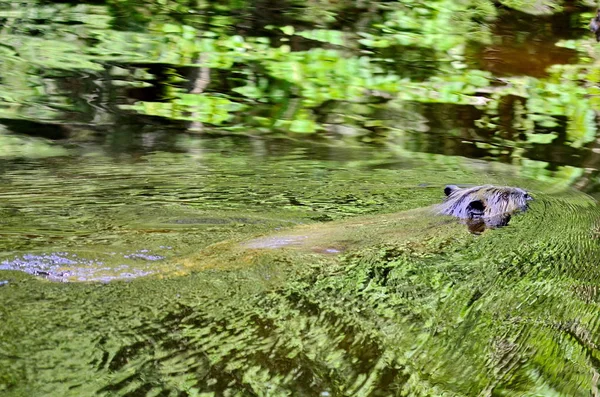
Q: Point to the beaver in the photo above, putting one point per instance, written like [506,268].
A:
[595,25]
[484,207]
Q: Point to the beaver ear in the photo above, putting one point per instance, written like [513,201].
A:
[475,209]
[448,190]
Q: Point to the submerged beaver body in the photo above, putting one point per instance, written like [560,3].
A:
[484,207]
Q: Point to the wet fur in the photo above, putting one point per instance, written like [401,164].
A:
[482,207]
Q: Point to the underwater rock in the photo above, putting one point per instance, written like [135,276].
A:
[484,207]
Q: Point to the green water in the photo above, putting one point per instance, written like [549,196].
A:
[237,198]
[168,204]
[408,303]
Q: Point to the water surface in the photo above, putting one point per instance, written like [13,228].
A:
[237,199]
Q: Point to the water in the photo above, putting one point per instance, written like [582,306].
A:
[235,280]
[240,200]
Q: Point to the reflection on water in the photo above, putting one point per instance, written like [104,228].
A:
[525,44]
[346,71]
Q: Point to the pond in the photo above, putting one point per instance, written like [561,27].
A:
[238,199]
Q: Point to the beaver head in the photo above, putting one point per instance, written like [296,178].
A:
[484,207]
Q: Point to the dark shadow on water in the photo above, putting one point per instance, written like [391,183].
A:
[46,130]
[525,44]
